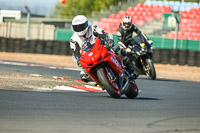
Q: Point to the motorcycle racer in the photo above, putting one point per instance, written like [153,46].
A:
[125,31]
[83,33]
[125,40]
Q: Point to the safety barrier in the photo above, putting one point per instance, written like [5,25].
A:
[177,57]
[63,34]
[35,46]
[160,55]
[18,30]
[158,41]
[167,43]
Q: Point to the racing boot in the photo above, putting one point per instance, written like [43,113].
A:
[129,67]
[84,76]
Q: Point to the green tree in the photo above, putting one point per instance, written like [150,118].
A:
[85,7]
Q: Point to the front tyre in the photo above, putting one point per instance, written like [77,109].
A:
[110,86]
[150,69]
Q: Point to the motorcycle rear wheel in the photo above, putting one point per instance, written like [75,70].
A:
[150,69]
[107,84]
[133,91]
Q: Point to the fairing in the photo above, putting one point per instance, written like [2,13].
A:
[98,56]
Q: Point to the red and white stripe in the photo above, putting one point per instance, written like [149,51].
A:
[72,88]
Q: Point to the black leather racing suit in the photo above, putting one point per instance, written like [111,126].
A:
[125,37]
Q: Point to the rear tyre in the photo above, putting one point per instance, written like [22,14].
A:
[111,87]
[150,69]
[133,91]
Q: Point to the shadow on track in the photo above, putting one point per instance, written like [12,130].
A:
[146,98]
[161,79]
[137,98]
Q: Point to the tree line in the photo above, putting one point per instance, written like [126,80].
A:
[84,7]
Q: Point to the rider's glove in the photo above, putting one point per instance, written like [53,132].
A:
[128,50]
[109,44]
[150,42]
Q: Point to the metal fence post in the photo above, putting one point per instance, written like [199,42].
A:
[27,26]
[175,38]
[27,21]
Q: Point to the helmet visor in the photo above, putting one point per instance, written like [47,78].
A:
[80,27]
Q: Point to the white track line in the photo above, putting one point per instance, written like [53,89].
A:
[67,88]
[37,65]
[60,88]
[94,87]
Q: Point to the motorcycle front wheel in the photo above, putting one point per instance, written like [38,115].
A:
[149,69]
[110,85]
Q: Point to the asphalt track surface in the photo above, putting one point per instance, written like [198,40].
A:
[163,106]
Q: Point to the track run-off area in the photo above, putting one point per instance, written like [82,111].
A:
[47,100]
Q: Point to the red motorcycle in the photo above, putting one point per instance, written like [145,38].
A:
[106,69]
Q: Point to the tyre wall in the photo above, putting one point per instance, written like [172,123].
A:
[176,57]
[35,46]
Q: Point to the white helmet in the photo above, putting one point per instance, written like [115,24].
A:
[127,23]
[80,25]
